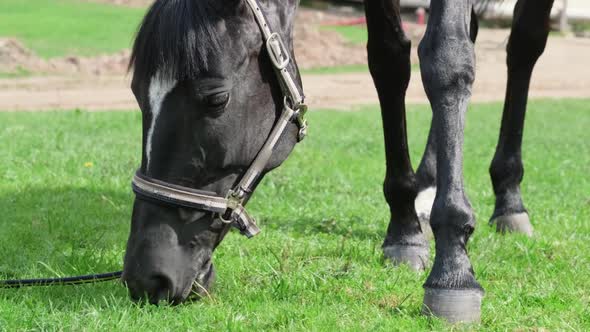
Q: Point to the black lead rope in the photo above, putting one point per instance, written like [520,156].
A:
[87,279]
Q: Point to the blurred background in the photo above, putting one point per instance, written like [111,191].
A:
[66,54]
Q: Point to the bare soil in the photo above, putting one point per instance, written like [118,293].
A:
[15,57]
[315,47]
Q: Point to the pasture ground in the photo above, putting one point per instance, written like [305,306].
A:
[65,32]
[317,265]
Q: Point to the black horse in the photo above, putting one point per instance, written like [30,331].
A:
[218,91]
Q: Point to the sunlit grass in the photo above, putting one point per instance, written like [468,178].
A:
[345,69]
[354,34]
[66,201]
[54,28]
[17,73]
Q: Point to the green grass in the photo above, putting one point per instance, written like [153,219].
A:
[345,69]
[354,34]
[17,73]
[580,26]
[54,28]
[317,264]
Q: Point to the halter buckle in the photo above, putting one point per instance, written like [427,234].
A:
[245,223]
[237,215]
[279,56]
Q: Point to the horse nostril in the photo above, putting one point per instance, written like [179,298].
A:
[160,287]
[207,262]
[133,288]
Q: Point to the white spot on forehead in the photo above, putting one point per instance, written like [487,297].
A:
[160,85]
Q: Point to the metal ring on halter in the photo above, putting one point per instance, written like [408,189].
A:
[225,221]
[299,111]
[288,102]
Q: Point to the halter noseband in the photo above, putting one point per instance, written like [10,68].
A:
[230,209]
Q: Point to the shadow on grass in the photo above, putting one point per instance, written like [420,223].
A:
[72,231]
[351,227]
[67,230]
[64,209]
[63,231]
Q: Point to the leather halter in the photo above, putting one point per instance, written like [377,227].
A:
[230,208]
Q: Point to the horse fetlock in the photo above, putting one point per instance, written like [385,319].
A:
[508,202]
[506,170]
[406,241]
[400,191]
[452,268]
[407,232]
[414,256]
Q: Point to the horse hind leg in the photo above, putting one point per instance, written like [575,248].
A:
[530,29]
[447,63]
[389,64]
[426,178]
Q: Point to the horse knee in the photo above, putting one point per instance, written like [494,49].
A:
[530,30]
[390,60]
[525,46]
[447,65]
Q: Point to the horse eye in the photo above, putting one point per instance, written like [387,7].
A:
[217,101]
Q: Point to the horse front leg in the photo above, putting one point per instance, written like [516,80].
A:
[389,64]
[528,38]
[447,63]
[426,172]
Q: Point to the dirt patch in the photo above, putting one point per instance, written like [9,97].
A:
[315,47]
[101,83]
[319,47]
[15,57]
[561,72]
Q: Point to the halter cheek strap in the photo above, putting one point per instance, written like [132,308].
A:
[230,208]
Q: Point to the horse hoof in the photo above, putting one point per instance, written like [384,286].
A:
[514,223]
[453,305]
[416,257]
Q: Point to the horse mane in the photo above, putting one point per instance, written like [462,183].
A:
[176,37]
